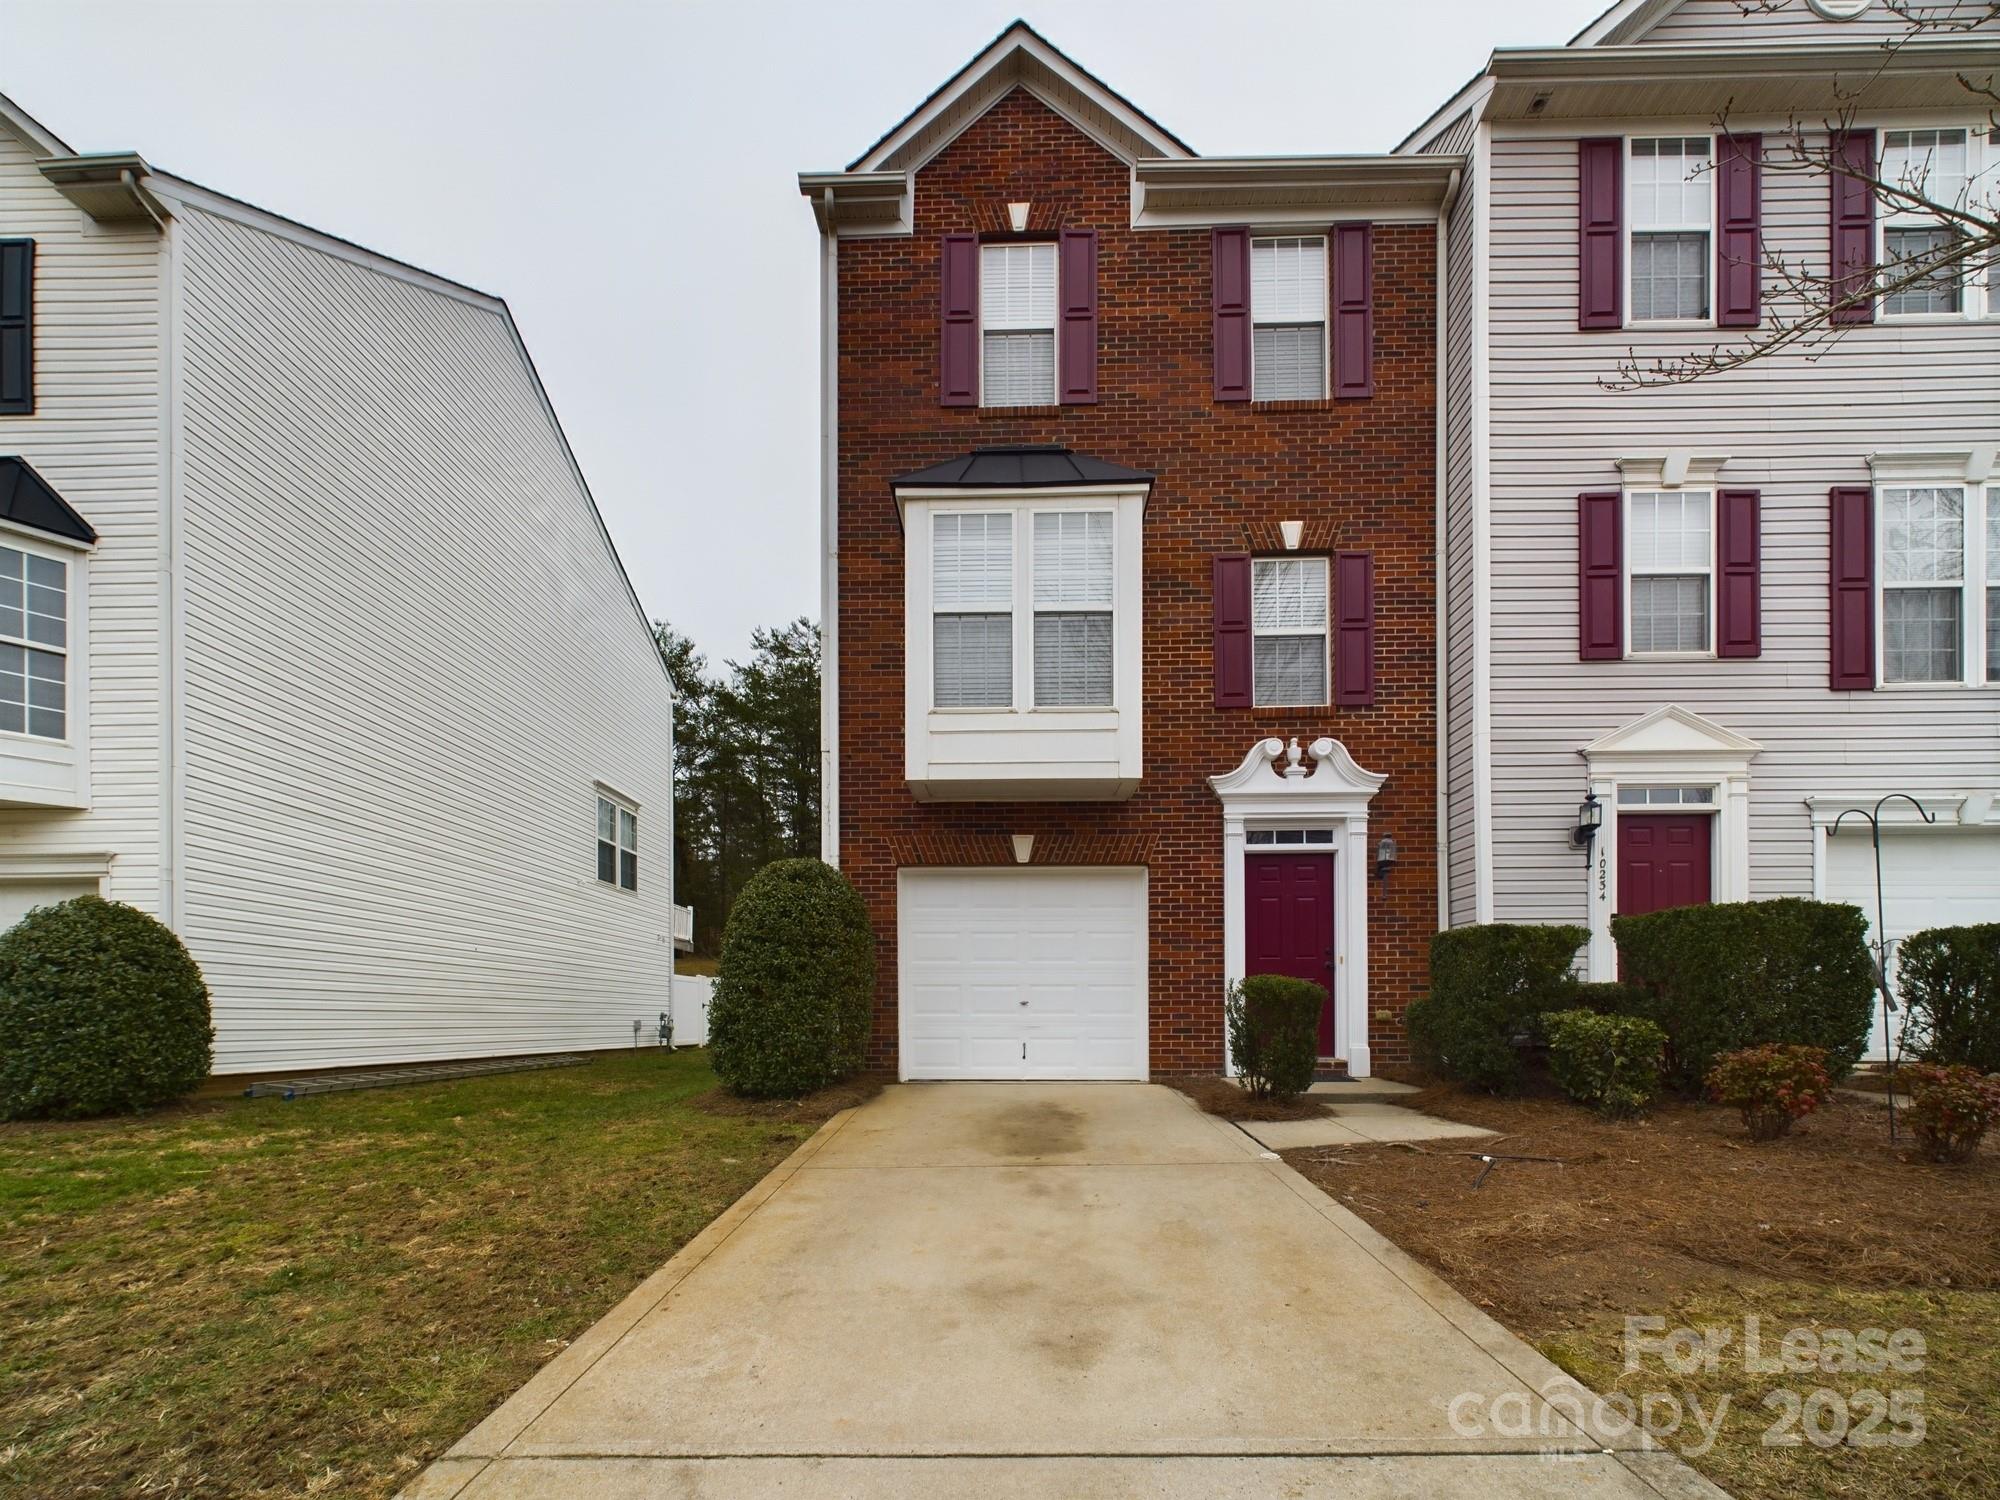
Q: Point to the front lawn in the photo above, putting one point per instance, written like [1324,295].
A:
[254,1297]
[1680,1218]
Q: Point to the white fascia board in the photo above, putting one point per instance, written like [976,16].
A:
[1267,190]
[974,496]
[1919,55]
[45,538]
[1472,97]
[31,130]
[1625,21]
[881,203]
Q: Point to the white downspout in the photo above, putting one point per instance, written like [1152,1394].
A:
[829,535]
[1441,728]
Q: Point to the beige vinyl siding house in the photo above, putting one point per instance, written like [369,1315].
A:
[1531,426]
[362,664]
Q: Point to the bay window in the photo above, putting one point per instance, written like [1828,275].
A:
[1670,208]
[1670,554]
[972,623]
[1017,319]
[1288,631]
[34,644]
[1288,276]
[1073,594]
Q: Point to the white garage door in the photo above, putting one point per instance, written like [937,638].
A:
[19,897]
[1022,973]
[1936,877]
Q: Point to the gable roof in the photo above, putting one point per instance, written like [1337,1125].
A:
[27,499]
[1020,57]
[33,131]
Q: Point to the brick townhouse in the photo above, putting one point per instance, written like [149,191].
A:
[1130,489]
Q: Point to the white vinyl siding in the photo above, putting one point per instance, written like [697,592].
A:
[1460,642]
[1288,317]
[1288,631]
[1017,318]
[1073,581]
[1732,23]
[972,624]
[1669,556]
[408,656]
[1670,214]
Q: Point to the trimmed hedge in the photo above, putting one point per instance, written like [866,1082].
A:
[1611,1063]
[1488,984]
[1950,983]
[1274,1033]
[1749,972]
[1610,997]
[795,990]
[101,1010]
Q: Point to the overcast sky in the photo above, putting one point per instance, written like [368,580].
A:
[623,174]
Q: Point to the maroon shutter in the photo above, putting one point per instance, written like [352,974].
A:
[1354,629]
[1077,356]
[1600,283]
[1738,627]
[1739,241]
[958,339]
[1353,311]
[1230,278]
[1232,630]
[1600,552]
[1851,634]
[1853,229]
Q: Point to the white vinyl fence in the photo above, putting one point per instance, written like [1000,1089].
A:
[691,997]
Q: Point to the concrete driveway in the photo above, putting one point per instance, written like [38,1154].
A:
[1026,1290]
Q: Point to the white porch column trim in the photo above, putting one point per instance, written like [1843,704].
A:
[1671,746]
[1277,786]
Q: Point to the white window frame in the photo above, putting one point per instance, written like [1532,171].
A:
[1325,314]
[1013,610]
[1709,228]
[622,808]
[69,651]
[1021,622]
[1629,574]
[1979,296]
[1972,587]
[1054,325]
[1325,633]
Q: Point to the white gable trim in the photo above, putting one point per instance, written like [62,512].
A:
[1624,22]
[31,130]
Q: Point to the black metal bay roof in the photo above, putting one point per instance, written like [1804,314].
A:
[1019,466]
[27,500]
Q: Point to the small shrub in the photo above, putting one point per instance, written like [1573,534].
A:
[794,994]
[1950,1108]
[1611,1063]
[1950,983]
[1609,997]
[1772,1086]
[1743,973]
[101,1009]
[1488,984]
[1274,1033]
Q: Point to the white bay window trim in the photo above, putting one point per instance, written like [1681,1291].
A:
[1935,553]
[1026,749]
[1670,197]
[46,769]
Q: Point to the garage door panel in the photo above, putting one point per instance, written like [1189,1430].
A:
[1071,944]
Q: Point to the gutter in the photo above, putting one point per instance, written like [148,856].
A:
[829,530]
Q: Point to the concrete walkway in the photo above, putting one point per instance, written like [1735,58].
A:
[1026,1290]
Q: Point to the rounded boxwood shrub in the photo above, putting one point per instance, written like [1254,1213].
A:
[101,1009]
[1950,983]
[1611,1063]
[1748,972]
[1274,1033]
[796,985]
[1488,984]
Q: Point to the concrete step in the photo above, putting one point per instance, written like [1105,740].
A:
[1361,1091]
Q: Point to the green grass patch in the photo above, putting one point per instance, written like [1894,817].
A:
[261,1297]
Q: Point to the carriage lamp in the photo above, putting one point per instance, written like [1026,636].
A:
[1385,856]
[1589,818]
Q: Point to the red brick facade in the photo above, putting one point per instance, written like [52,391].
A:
[1359,473]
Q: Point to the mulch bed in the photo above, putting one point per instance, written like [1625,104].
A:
[1221,1097]
[812,1109]
[1645,1211]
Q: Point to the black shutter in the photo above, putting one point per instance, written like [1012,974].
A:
[17,327]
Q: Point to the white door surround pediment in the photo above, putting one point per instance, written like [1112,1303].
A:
[1669,731]
[1281,785]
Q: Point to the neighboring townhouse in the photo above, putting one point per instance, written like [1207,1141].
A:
[312,642]
[1712,617]
[1130,491]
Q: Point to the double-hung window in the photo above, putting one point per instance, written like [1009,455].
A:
[972,609]
[1017,320]
[1920,275]
[1288,318]
[1288,631]
[34,644]
[1073,590]
[617,844]
[1992,575]
[1670,552]
[1670,197]
[1940,568]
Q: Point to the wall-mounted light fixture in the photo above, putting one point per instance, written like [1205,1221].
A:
[1293,532]
[1017,216]
[1385,856]
[1589,818]
[1024,848]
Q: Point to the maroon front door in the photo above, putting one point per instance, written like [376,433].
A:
[1663,861]
[1288,927]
